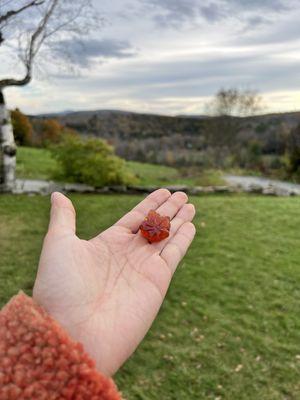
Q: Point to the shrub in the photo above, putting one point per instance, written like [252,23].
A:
[253,156]
[293,154]
[261,127]
[22,128]
[91,161]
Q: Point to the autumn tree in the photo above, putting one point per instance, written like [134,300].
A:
[29,29]
[22,128]
[50,131]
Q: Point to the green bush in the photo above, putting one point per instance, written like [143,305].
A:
[91,161]
[293,154]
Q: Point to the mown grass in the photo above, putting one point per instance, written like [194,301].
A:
[33,163]
[230,325]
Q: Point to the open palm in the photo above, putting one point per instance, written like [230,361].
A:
[107,291]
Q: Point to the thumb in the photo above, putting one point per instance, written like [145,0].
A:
[62,215]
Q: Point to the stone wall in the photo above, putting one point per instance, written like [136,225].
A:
[47,187]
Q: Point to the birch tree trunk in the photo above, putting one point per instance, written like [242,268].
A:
[8,149]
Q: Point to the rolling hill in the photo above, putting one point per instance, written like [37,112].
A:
[165,139]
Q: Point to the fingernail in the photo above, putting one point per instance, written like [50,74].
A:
[54,196]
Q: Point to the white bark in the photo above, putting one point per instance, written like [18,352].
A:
[7,150]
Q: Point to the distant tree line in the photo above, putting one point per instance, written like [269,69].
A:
[232,136]
[37,133]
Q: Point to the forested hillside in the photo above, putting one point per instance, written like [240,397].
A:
[180,139]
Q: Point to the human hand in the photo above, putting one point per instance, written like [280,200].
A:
[107,291]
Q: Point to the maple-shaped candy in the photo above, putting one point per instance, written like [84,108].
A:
[155,227]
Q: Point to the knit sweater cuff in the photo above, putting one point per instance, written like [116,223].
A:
[39,360]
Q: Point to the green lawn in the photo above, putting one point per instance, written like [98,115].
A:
[230,326]
[33,163]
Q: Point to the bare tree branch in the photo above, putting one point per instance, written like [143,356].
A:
[36,41]
[65,23]
[12,13]
[34,31]
[15,82]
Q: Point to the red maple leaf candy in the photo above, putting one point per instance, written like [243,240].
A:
[155,227]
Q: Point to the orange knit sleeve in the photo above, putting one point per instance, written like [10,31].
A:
[39,360]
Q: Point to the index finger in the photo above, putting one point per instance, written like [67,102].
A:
[134,218]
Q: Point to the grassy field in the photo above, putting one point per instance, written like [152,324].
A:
[230,325]
[33,163]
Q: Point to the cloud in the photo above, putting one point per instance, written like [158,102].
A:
[176,13]
[82,53]
[187,51]
[254,21]
[271,5]
[286,31]
[170,85]
[211,12]
[194,77]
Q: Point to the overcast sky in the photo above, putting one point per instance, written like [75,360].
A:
[171,56]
